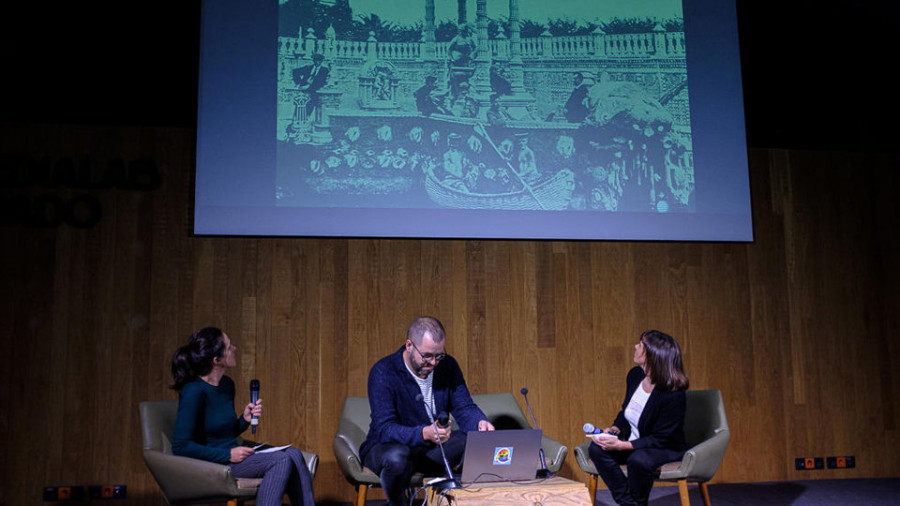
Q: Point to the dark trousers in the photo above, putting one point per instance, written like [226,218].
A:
[641,465]
[283,472]
[395,463]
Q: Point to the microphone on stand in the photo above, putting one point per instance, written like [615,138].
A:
[450,481]
[543,472]
[254,396]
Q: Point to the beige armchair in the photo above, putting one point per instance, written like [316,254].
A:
[353,426]
[184,480]
[707,435]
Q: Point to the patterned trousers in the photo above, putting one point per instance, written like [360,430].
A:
[283,472]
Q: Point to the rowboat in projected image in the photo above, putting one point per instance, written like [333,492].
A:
[551,194]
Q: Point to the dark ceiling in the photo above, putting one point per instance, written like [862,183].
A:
[817,74]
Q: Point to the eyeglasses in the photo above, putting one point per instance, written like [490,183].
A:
[429,357]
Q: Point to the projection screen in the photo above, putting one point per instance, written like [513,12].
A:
[571,119]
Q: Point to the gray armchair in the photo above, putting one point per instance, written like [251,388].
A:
[707,435]
[184,480]
[353,426]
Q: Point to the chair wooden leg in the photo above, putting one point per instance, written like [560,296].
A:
[704,492]
[361,493]
[592,487]
[683,493]
[232,502]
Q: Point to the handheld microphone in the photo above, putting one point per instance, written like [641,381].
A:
[450,481]
[254,396]
[590,429]
[543,472]
[443,420]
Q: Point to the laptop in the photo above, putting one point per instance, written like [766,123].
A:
[501,455]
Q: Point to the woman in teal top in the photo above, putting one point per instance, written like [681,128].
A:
[207,428]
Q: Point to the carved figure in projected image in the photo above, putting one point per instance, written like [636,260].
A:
[463,46]
[462,50]
[381,85]
[637,163]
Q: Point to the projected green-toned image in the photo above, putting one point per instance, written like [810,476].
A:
[484,104]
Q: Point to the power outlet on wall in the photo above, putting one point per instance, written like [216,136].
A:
[107,492]
[64,493]
[809,463]
[847,462]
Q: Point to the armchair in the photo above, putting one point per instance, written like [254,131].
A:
[707,435]
[353,426]
[184,480]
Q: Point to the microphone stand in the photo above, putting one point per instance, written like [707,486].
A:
[543,472]
[450,482]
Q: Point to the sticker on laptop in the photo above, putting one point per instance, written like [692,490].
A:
[503,455]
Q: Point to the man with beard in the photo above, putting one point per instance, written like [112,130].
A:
[403,387]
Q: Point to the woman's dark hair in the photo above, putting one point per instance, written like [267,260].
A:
[663,361]
[195,359]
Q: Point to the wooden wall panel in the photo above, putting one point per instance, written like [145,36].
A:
[796,328]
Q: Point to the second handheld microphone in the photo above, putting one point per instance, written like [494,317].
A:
[254,397]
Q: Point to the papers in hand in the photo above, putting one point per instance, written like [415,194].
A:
[264,448]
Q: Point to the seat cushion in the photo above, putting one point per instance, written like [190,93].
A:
[668,466]
[248,482]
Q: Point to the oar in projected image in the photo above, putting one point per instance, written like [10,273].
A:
[479,129]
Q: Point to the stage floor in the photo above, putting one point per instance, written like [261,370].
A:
[869,492]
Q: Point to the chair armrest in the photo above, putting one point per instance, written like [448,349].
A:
[312,462]
[706,457]
[185,479]
[554,453]
[702,461]
[583,458]
[347,458]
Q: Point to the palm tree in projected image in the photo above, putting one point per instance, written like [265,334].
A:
[373,25]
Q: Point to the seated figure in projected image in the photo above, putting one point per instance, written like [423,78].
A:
[429,99]
[309,79]
[403,387]
[206,426]
[649,430]
[464,106]
[527,165]
[576,107]
[458,170]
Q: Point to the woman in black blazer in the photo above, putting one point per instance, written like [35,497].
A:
[649,430]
